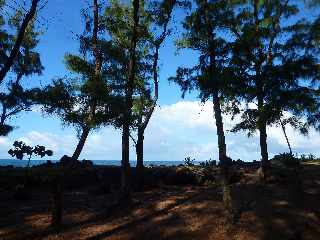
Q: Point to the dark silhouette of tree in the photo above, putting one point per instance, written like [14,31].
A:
[87,101]
[97,72]
[209,76]
[144,104]
[27,62]
[270,59]
[313,37]
[12,103]
[123,26]
[129,88]
[20,150]
[8,57]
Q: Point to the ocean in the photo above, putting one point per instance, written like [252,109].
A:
[23,163]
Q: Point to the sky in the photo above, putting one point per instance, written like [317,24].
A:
[179,127]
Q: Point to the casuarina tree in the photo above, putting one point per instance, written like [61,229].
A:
[145,103]
[272,63]
[210,75]
[88,100]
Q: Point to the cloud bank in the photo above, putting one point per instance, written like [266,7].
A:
[185,128]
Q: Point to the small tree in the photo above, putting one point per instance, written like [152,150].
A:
[210,75]
[21,150]
[89,100]
[144,105]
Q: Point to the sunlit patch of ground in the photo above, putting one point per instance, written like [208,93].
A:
[265,212]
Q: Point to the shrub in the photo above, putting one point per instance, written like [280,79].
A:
[307,158]
[209,163]
[286,159]
[188,161]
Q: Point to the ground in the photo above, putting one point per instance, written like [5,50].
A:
[264,211]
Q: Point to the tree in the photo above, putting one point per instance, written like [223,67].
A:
[96,80]
[210,75]
[125,180]
[87,102]
[271,60]
[12,103]
[8,57]
[27,62]
[123,25]
[21,149]
[144,105]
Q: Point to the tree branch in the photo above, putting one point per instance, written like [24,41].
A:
[14,52]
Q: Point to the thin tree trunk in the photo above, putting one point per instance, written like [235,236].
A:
[14,52]
[125,164]
[81,143]
[143,124]
[4,112]
[96,52]
[286,136]
[140,165]
[223,159]
[262,125]
[98,64]
[2,120]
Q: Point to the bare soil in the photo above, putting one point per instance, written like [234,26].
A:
[264,211]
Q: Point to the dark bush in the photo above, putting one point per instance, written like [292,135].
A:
[209,163]
[189,162]
[286,160]
[21,193]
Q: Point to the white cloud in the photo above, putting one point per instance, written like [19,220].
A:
[3,140]
[186,128]
[299,143]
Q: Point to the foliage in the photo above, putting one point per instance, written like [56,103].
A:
[15,99]
[286,159]
[21,149]
[189,162]
[88,99]
[270,60]
[12,103]
[208,163]
[196,38]
[308,158]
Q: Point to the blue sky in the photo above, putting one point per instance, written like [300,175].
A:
[179,127]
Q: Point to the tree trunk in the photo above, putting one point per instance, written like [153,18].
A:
[140,166]
[14,52]
[57,195]
[224,160]
[3,131]
[98,64]
[3,115]
[286,136]
[262,125]
[81,143]
[125,164]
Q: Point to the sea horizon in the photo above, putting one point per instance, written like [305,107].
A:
[36,162]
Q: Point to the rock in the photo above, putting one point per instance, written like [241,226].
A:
[86,163]
[69,161]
